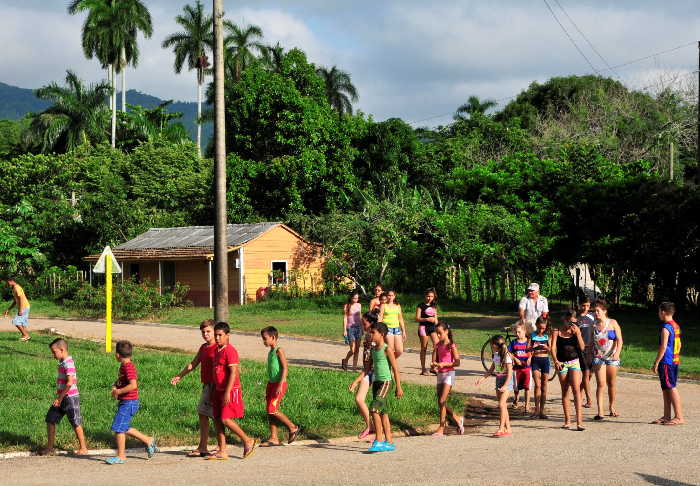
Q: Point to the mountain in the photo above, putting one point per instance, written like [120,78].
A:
[16,102]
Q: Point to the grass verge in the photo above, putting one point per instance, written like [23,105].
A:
[317,399]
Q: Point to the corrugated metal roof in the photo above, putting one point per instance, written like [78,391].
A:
[195,236]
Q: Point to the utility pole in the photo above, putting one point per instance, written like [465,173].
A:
[697,105]
[220,243]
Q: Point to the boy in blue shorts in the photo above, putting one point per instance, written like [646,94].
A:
[126,390]
[666,364]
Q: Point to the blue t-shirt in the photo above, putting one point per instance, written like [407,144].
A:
[672,354]
[519,350]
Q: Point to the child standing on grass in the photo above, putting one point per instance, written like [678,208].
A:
[503,361]
[67,401]
[126,390]
[383,367]
[445,359]
[352,330]
[277,370]
[666,365]
[518,348]
[364,380]
[205,358]
[228,396]
[540,345]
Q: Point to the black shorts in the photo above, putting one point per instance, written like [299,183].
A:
[70,407]
[429,328]
[380,390]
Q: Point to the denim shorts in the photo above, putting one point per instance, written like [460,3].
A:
[605,361]
[541,364]
[125,412]
[354,334]
[396,331]
[22,320]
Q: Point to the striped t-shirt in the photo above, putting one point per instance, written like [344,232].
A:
[66,368]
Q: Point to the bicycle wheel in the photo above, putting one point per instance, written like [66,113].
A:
[486,355]
[552,369]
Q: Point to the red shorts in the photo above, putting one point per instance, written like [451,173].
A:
[523,378]
[273,399]
[234,409]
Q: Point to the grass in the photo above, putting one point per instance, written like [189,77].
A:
[471,324]
[318,399]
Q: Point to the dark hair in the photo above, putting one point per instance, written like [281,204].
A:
[446,327]
[545,320]
[59,343]
[434,292]
[352,294]
[568,315]
[500,341]
[396,301]
[380,286]
[583,300]
[667,307]
[602,303]
[381,327]
[222,326]
[270,331]
[371,316]
[124,349]
[206,323]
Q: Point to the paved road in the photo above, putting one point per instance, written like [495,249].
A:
[626,450]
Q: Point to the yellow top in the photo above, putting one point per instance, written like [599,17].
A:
[391,315]
[20,298]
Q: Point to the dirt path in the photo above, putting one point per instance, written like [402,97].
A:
[626,450]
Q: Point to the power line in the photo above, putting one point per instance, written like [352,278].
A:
[634,61]
[570,38]
[586,38]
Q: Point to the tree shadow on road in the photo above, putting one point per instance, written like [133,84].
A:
[650,478]
[11,439]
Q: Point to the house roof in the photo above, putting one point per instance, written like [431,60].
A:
[186,241]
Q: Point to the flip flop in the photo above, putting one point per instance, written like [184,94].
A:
[566,426]
[198,453]
[424,373]
[268,443]
[587,405]
[460,426]
[294,435]
[114,460]
[44,452]
[217,457]
[498,434]
[659,421]
[438,434]
[598,418]
[673,422]
[580,428]
[365,433]
[613,414]
[249,452]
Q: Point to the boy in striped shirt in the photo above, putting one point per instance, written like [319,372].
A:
[67,401]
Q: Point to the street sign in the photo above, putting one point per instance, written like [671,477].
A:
[108,265]
[100,265]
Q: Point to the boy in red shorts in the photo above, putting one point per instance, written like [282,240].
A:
[205,358]
[666,365]
[277,370]
[228,399]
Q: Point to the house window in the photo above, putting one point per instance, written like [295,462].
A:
[168,276]
[279,273]
[135,272]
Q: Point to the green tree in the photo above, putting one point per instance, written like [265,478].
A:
[240,45]
[272,57]
[78,115]
[473,106]
[340,92]
[140,125]
[191,45]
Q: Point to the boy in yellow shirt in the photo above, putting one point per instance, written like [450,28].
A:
[21,319]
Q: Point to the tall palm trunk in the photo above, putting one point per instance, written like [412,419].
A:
[114,105]
[109,80]
[122,65]
[199,113]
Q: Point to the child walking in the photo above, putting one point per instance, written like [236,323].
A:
[228,395]
[666,365]
[445,360]
[360,386]
[518,348]
[67,401]
[205,358]
[352,330]
[383,367]
[503,361]
[126,390]
[390,313]
[540,346]
[277,371]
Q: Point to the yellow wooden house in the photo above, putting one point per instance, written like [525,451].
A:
[260,255]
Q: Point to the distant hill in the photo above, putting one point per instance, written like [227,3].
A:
[16,102]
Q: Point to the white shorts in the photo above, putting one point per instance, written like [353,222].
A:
[446,378]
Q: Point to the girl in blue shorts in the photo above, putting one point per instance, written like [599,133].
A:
[539,346]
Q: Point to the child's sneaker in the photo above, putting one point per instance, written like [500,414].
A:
[152,448]
[376,446]
[388,446]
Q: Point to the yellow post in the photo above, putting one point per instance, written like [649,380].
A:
[108,290]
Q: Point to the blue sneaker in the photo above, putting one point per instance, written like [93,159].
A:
[389,446]
[376,446]
[152,448]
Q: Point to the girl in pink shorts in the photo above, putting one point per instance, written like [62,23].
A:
[445,359]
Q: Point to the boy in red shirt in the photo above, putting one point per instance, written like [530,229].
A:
[228,399]
[205,357]
[126,390]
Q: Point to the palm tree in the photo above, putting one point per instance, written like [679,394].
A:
[272,57]
[78,115]
[472,107]
[340,91]
[191,45]
[239,44]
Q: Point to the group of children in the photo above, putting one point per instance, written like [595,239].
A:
[584,343]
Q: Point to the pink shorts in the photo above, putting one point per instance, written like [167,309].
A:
[421,331]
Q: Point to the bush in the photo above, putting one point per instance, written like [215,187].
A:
[130,300]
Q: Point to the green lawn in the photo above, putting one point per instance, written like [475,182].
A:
[318,399]
[472,324]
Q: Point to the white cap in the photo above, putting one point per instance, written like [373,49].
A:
[533,286]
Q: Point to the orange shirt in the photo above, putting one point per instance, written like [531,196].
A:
[20,298]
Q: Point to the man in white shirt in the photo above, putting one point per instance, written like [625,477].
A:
[532,306]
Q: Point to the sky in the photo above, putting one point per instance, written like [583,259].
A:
[417,60]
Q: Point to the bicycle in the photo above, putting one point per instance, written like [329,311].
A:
[487,354]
